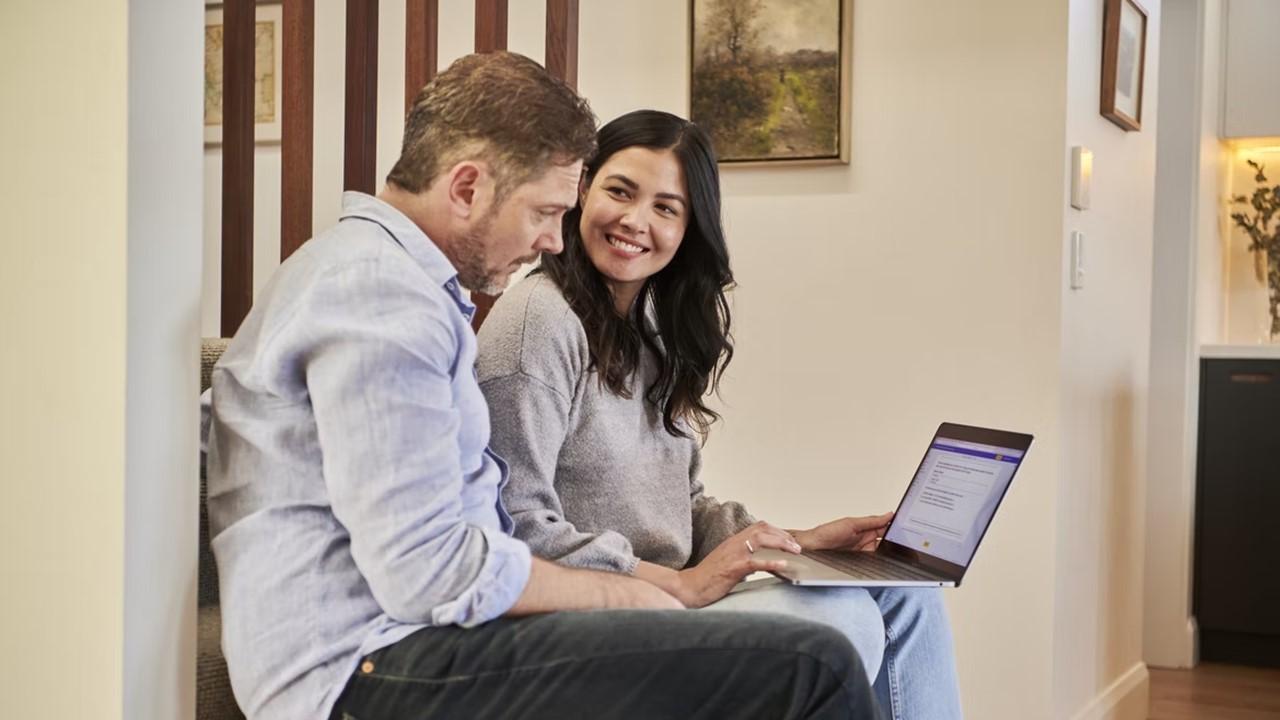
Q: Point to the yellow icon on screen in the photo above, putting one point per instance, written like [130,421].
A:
[999,457]
[926,543]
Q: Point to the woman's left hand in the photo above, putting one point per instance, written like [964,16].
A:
[849,533]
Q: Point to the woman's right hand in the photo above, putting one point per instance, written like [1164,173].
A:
[730,562]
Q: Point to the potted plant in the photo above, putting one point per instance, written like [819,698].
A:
[1264,238]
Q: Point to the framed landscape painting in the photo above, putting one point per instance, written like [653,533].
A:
[1124,55]
[769,79]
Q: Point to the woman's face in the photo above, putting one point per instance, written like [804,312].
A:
[634,216]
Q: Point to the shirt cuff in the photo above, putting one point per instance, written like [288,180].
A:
[502,578]
[629,565]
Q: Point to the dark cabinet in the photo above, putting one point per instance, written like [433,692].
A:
[1237,558]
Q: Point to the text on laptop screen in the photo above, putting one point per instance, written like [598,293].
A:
[952,498]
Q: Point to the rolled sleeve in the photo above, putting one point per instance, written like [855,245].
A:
[504,573]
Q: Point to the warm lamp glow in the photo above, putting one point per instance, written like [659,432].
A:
[1249,146]
[1256,150]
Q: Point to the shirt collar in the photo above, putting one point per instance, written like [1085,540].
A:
[421,248]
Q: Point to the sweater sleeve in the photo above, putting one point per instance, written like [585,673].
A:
[713,521]
[530,363]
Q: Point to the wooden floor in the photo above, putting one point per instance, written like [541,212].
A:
[1215,692]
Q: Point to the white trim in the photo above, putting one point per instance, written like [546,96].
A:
[162,386]
[1127,698]
[1174,396]
[1260,352]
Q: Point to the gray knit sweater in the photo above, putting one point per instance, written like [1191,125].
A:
[596,481]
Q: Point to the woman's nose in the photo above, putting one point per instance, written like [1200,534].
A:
[634,221]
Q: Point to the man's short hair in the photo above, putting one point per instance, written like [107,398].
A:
[498,107]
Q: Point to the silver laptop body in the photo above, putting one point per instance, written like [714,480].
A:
[940,521]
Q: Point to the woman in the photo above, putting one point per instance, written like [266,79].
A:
[596,369]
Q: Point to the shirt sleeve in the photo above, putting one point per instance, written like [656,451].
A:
[713,521]
[530,421]
[379,353]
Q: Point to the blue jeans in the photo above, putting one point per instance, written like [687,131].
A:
[604,664]
[901,634]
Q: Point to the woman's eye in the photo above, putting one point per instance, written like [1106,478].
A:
[617,192]
[667,210]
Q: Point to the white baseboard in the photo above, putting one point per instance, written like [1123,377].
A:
[1127,698]
[1175,650]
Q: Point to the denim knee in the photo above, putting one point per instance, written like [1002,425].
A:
[860,620]
[923,603]
[816,640]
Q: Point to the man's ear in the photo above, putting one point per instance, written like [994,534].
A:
[583,186]
[467,185]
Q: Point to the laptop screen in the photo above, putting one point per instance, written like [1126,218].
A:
[952,497]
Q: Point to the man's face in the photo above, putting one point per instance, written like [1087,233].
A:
[526,224]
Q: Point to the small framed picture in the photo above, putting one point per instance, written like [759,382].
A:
[267,76]
[769,79]
[1124,55]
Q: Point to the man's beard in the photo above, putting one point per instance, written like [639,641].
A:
[474,271]
[472,260]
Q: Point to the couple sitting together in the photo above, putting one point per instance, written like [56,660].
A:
[409,522]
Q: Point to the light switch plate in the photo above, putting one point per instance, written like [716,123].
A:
[1077,260]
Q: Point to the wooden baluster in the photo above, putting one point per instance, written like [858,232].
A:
[360,166]
[297,131]
[237,162]
[562,40]
[491,25]
[421,46]
[491,34]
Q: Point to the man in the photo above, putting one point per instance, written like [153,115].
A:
[365,561]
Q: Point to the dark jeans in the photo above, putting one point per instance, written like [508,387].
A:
[615,664]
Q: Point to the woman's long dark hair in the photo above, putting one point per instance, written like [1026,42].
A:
[692,339]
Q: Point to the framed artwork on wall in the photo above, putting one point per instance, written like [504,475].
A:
[1124,55]
[267,85]
[769,79]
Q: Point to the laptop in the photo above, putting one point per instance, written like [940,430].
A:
[939,523]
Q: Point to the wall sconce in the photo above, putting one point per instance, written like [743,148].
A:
[1081,176]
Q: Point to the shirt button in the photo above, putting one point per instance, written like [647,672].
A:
[366,667]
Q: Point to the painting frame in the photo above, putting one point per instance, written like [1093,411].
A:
[843,115]
[264,132]
[1123,74]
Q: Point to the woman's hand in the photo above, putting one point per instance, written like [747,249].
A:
[730,562]
[849,533]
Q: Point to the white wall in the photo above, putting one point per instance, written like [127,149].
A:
[62,296]
[1098,665]
[1187,310]
[918,284]
[1251,107]
[1211,235]
[98,296]
[162,383]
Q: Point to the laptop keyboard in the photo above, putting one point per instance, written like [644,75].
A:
[869,565]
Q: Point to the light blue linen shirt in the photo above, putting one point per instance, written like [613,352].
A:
[353,499]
